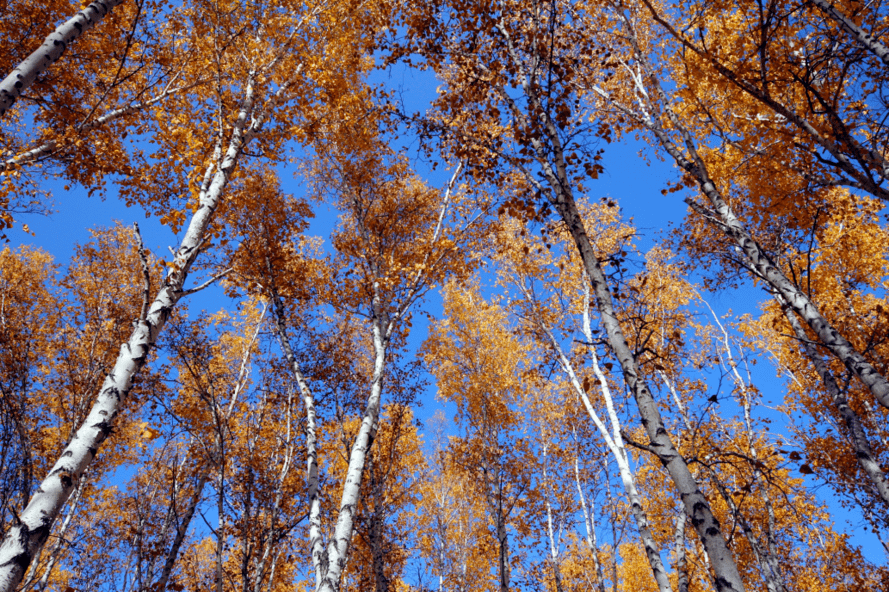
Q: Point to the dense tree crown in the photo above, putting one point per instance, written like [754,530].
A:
[485,376]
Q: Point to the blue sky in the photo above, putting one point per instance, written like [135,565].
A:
[634,182]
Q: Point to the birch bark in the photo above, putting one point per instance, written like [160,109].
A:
[680,560]
[316,544]
[613,438]
[50,148]
[757,260]
[385,314]
[51,50]
[329,564]
[24,539]
[337,549]
[588,521]
[551,158]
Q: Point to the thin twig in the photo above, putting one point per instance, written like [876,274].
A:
[208,283]
[146,275]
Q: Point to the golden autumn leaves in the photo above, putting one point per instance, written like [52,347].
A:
[609,430]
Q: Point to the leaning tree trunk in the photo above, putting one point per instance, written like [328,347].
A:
[864,453]
[550,155]
[28,535]
[756,259]
[51,50]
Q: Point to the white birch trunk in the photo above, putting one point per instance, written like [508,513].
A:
[616,446]
[51,50]
[338,548]
[25,538]
[551,158]
[756,259]
[680,561]
[54,555]
[588,522]
[865,39]
[269,549]
[316,544]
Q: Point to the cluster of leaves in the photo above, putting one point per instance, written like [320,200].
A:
[607,431]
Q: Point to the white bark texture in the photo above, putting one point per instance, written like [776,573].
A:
[27,537]
[727,578]
[319,559]
[383,323]
[865,39]
[51,50]
[616,446]
[550,530]
[338,548]
[622,456]
[756,259]
[550,155]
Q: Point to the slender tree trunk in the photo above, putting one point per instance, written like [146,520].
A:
[589,525]
[615,444]
[269,549]
[220,527]
[181,530]
[338,548]
[550,531]
[316,543]
[25,538]
[756,259]
[709,530]
[503,562]
[552,160]
[57,549]
[51,50]
[863,452]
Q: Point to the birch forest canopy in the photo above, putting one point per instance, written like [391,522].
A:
[485,376]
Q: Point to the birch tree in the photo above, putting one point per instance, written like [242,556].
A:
[646,103]
[252,96]
[51,50]
[397,239]
[535,49]
[525,271]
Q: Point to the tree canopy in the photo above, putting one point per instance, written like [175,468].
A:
[401,346]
